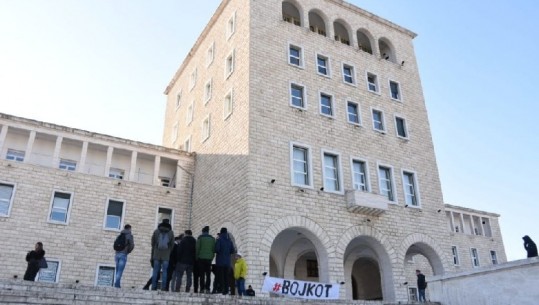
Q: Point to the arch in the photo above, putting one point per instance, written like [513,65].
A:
[317,22]
[364,41]
[427,246]
[366,279]
[387,51]
[342,31]
[291,10]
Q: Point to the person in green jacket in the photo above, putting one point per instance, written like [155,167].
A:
[162,245]
[205,250]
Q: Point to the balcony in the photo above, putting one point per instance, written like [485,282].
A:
[366,203]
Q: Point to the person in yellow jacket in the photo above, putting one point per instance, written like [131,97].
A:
[240,272]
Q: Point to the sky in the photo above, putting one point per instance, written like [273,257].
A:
[103,65]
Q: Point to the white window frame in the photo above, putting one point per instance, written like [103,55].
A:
[376,82]
[407,134]
[360,121]
[178,99]
[328,65]
[106,211]
[494,260]
[231,26]
[301,57]
[392,180]
[475,258]
[229,69]
[58,271]
[68,213]
[210,54]
[455,256]
[175,132]
[353,74]
[193,79]
[190,112]
[10,203]
[320,93]
[208,91]
[291,98]
[68,165]
[416,295]
[165,180]
[97,274]
[389,81]
[116,172]
[229,95]
[383,131]
[367,174]
[15,155]
[339,171]
[416,188]
[187,144]
[309,165]
[206,132]
[157,215]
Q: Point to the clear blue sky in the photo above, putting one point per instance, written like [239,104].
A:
[103,65]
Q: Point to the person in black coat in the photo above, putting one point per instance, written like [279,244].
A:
[224,248]
[530,246]
[421,286]
[186,258]
[33,258]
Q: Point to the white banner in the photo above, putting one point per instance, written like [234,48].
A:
[301,289]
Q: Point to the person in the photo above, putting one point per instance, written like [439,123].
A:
[250,291]
[530,246]
[421,286]
[162,244]
[171,272]
[33,258]
[186,258]
[205,251]
[120,258]
[240,273]
[224,249]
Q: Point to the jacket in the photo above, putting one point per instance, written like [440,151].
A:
[240,268]
[162,254]
[205,247]
[421,283]
[33,257]
[224,249]
[130,241]
[187,251]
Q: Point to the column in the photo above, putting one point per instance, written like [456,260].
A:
[156,167]
[472,224]
[133,168]
[452,221]
[179,172]
[3,134]
[110,150]
[29,146]
[83,154]
[56,155]
[462,223]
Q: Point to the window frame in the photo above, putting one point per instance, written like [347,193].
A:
[455,256]
[399,88]
[376,82]
[416,188]
[174,132]
[187,140]
[119,170]
[206,133]
[340,179]
[391,180]
[107,203]
[210,50]
[332,100]
[11,199]
[231,26]
[494,259]
[193,79]
[63,162]
[308,148]
[301,57]
[383,120]
[68,213]
[228,95]
[366,173]
[58,270]
[230,67]
[178,99]
[208,92]
[16,155]
[190,113]
[304,95]
[475,258]
[171,220]
[360,121]
[353,74]
[327,67]
[405,126]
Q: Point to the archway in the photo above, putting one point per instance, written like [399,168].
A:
[364,41]
[387,51]
[291,13]
[341,32]
[317,23]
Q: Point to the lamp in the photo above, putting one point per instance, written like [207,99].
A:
[264,273]
[405,205]
[402,63]
[342,283]
[439,210]
[272,181]
[405,283]
[119,183]
[322,189]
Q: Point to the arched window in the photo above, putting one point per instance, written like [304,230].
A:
[364,41]
[291,13]
[341,33]
[387,51]
[316,23]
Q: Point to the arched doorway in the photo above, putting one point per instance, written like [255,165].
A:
[366,280]
[423,257]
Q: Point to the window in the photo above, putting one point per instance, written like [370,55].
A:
[229,64]
[210,55]
[493,257]
[400,125]
[475,257]
[410,188]
[331,173]
[6,198]
[322,65]
[353,114]
[15,155]
[105,276]
[178,99]
[165,181]
[68,165]
[455,252]
[193,79]
[312,268]
[114,216]
[50,274]
[326,104]
[359,175]
[189,117]
[412,294]
[231,26]
[164,213]
[297,96]
[175,132]
[207,91]
[60,207]
[378,120]
[301,166]
[394,90]
[206,128]
[372,82]
[348,74]
[116,173]
[386,182]
[228,105]
[295,56]
[187,144]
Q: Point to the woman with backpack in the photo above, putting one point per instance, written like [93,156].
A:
[36,260]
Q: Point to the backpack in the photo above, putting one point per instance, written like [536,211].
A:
[163,240]
[120,243]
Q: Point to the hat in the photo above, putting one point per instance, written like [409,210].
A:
[239,254]
[206,229]
[223,230]
[188,232]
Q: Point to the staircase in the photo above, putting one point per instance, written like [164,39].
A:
[17,292]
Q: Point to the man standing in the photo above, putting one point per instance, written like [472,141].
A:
[421,286]
[185,260]
[224,249]
[121,254]
[205,251]
[162,245]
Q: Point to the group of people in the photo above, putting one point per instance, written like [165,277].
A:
[172,257]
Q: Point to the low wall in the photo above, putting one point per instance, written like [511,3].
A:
[515,282]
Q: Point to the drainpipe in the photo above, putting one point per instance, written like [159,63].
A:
[192,176]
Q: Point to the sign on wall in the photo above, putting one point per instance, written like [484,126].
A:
[301,289]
